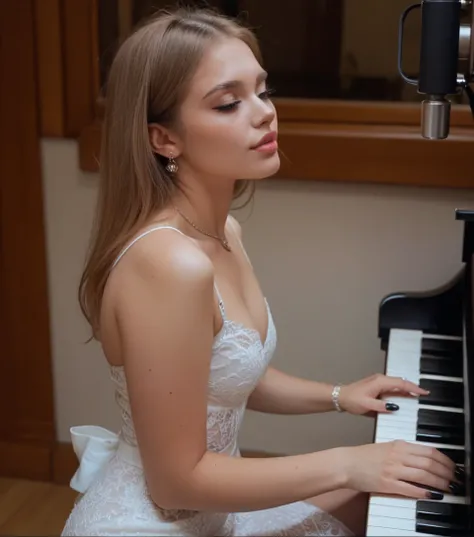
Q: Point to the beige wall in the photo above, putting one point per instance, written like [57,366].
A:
[325,253]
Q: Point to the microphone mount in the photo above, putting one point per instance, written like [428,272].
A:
[446,60]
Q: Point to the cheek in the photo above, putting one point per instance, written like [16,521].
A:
[222,137]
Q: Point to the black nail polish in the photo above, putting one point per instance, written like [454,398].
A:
[392,407]
[434,495]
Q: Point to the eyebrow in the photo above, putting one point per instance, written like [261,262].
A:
[234,83]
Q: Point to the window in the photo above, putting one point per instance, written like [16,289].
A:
[313,49]
[345,114]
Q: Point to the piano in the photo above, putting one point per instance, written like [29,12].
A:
[428,338]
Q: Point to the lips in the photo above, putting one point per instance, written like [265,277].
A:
[267,139]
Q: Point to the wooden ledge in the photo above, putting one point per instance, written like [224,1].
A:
[351,152]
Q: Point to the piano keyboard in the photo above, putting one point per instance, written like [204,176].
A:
[436,364]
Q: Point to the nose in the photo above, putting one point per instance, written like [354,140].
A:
[264,113]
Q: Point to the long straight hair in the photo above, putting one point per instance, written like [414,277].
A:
[148,79]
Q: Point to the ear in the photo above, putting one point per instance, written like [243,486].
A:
[162,141]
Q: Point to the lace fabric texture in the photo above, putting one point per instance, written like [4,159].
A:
[114,498]
[118,504]
[117,501]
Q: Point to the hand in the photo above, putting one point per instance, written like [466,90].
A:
[396,467]
[362,397]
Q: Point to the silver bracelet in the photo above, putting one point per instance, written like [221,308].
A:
[335,397]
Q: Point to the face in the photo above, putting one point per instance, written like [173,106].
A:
[226,115]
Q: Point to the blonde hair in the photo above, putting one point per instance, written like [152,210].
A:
[147,81]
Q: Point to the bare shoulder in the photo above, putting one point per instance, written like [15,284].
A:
[165,257]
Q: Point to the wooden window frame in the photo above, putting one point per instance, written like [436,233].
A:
[321,140]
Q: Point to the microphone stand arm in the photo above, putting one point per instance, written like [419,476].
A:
[446,60]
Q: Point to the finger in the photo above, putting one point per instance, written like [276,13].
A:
[403,385]
[432,453]
[381,407]
[443,459]
[387,394]
[423,477]
[430,465]
[412,491]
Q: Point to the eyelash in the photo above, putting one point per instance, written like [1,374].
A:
[231,106]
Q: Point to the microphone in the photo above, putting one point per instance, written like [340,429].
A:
[446,60]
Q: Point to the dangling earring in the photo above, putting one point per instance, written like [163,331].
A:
[172,167]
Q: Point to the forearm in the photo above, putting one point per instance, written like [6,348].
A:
[279,393]
[230,484]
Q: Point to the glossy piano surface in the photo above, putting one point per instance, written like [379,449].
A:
[429,339]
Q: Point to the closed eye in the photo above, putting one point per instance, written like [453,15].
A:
[227,107]
[264,95]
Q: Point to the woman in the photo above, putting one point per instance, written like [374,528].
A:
[171,295]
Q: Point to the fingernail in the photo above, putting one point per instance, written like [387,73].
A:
[392,407]
[434,495]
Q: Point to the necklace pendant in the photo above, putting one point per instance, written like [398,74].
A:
[225,244]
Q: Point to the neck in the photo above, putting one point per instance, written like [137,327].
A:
[206,206]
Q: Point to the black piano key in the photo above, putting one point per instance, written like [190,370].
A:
[458,456]
[442,347]
[438,527]
[446,512]
[436,419]
[437,365]
[460,472]
[458,489]
[455,438]
[443,393]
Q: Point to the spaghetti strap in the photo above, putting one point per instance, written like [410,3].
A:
[144,234]
[221,302]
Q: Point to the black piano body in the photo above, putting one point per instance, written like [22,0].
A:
[447,311]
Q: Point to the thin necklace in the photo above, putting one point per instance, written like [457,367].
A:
[222,240]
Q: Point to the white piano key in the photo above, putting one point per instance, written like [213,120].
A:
[375,531]
[403,334]
[398,515]
[393,523]
[397,433]
[439,408]
[404,422]
[393,512]
[387,532]
[409,503]
[427,335]
[412,373]
[406,511]
[442,378]
[428,444]
[395,516]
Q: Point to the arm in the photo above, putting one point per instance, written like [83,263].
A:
[165,313]
[279,393]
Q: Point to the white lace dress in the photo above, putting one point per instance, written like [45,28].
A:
[114,499]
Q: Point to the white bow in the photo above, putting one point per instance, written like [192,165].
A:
[94,446]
